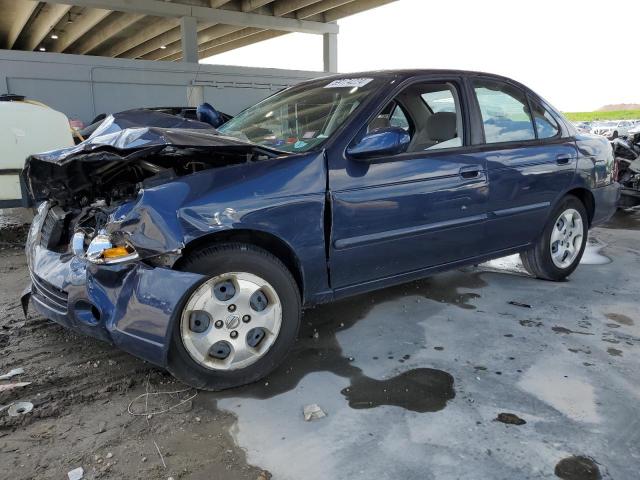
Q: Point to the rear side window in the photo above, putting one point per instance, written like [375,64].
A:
[505,113]
[546,125]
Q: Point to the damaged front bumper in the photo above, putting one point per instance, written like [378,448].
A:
[131,305]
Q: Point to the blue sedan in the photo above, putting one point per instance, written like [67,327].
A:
[197,248]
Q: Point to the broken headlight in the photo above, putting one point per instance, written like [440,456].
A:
[107,250]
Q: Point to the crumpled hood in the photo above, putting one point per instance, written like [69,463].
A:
[138,129]
[124,139]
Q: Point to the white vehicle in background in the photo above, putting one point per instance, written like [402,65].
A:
[26,128]
[612,129]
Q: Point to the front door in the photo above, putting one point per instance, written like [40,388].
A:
[423,208]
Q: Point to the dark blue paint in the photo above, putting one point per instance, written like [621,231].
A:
[350,225]
[382,141]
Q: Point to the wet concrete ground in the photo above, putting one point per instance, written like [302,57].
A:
[413,380]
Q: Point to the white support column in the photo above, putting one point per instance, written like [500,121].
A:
[189,33]
[195,95]
[330,52]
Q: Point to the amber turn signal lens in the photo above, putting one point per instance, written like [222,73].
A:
[116,252]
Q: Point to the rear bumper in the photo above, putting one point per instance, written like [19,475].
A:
[606,202]
[132,306]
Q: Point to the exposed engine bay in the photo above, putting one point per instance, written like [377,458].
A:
[627,155]
[84,184]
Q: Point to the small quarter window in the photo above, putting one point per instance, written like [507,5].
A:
[546,125]
[399,119]
[505,113]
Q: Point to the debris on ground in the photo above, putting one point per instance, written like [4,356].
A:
[20,408]
[76,474]
[510,419]
[519,304]
[102,427]
[12,373]
[313,412]
[176,399]
[10,386]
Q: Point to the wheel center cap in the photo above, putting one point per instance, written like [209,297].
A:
[232,321]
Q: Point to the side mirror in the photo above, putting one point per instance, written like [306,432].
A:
[379,142]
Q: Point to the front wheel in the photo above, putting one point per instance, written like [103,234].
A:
[238,325]
[558,251]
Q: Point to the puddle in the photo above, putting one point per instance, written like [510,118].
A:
[419,390]
[614,352]
[566,330]
[619,318]
[318,350]
[577,468]
[592,255]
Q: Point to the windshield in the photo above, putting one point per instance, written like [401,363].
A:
[300,118]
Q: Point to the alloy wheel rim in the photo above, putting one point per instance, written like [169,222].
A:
[231,321]
[567,238]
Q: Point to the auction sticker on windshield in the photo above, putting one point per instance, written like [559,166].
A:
[349,82]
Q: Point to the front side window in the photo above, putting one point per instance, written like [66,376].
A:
[392,115]
[440,101]
[429,112]
[505,114]
[300,118]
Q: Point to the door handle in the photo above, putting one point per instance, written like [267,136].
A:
[472,171]
[563,159]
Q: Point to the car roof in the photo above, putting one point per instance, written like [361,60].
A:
[407,73]
[404,74]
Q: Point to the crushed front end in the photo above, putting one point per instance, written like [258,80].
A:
[99,251]
[130,304]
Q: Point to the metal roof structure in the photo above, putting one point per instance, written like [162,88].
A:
[170,30]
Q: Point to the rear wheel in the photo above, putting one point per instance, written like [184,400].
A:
[237,325]
[558,251]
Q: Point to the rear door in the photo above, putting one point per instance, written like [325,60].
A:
[403,213]
[529,161]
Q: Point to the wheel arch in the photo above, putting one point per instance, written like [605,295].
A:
[587,199]
[258,238]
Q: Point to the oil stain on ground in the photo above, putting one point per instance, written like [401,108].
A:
[318,349]
[577,468]
[619,318]
[510,419]
[566,330]
[419,390]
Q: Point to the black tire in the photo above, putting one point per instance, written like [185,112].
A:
[537,260]
[237,257]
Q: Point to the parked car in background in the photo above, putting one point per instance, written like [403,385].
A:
[583,127]
[612,129]
[26,127]
[196,249]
